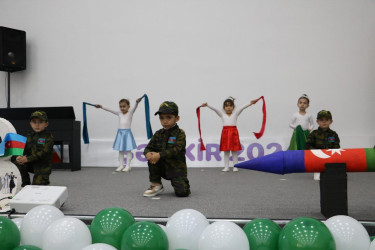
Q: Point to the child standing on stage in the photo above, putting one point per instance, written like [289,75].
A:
[124,141]
[302,123]
[230,140]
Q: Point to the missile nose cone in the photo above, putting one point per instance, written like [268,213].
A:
[282,162]
[272,163]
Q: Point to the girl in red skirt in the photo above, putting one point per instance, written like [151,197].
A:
[230,140]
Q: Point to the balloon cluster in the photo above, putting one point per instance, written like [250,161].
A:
[45,227]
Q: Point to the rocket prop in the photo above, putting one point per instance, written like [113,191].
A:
[257,134]
[301,161]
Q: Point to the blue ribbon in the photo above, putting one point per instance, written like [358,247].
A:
[147,114]
[85,133]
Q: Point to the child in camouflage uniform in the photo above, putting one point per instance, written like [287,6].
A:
[166,154]
[38,152]
[323,137]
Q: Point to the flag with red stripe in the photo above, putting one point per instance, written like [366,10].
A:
[12,144]
[355,159]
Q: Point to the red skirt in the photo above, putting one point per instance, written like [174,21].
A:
[230,140]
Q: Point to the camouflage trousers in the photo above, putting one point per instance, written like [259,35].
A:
[178,177]
[41,174]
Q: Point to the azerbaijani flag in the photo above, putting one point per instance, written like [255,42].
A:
[12,144]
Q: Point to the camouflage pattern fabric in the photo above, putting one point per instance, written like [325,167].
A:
[324,113]
[171,145]
[39,150]
[319,139]
[39,114]
[168,108]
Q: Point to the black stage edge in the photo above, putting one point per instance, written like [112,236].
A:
[62,124]
[333,190]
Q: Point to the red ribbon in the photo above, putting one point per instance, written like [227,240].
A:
[199,127]
[260,133]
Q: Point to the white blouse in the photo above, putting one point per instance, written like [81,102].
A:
[306,121]
[125,120]
[229,120]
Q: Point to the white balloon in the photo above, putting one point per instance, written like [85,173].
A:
[163,227]
[348,233]
[99,246]
[223,235]
[66,233]
[18,222]
[36,222]
[184,229]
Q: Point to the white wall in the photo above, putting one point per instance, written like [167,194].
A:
[194,51]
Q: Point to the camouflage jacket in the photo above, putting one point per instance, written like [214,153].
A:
[319,139]
[170,144]
[39,148]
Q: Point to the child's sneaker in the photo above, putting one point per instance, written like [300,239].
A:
[235,169]
[119,168]
[126,169]
[225,169]
[153,190]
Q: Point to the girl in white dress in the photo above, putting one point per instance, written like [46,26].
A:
[301,123]
[124,141]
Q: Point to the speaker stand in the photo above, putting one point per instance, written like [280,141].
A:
[8,104]
[333,190]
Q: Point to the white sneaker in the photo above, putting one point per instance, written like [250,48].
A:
[153,191]
[126,169]
[235,169]
[226,169]
[119,168]
[316,176]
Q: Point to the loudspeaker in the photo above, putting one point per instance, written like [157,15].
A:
[12,49]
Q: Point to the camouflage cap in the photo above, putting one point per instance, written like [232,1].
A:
[168,108]
[324,113]
[39,114]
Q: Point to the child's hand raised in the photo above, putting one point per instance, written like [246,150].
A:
[138,100]
[204,104]
[253,102]
[98,106]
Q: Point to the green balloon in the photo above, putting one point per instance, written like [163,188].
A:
[10,236]
[306,234]
[27,247]
[372,238]
[144,235]
[263,234]
[109,225]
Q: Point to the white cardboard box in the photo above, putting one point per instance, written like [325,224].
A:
[32,195]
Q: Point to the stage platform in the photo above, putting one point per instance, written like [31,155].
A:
[240,195]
